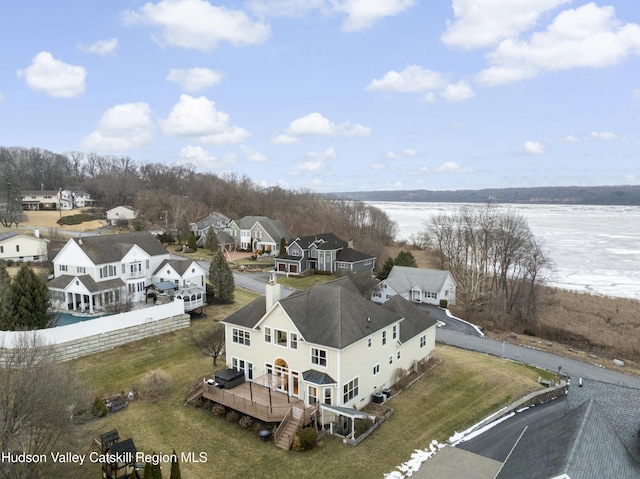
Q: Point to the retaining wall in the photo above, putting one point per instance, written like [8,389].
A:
[96,335]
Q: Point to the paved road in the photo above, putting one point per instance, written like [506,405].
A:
[450,323]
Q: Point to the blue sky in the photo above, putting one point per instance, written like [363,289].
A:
[333,95]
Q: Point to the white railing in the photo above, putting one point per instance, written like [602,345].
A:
[100,325]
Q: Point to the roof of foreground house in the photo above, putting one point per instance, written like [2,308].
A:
[581,445]
[415,320]
[335,315]
[112,248]
[404,278]
[179,265]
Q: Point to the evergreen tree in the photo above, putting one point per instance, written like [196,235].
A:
[405,258]
[156,471]
[221,278]
[5,289]
[211,240]
[175,467]
[386,268]
[283,247]
[148,471]
[28,301]
[192,243]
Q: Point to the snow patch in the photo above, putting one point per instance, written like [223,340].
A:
[407,469]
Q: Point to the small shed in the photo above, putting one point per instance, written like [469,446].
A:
[229,378]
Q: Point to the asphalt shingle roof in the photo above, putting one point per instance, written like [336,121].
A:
[112,248]
[61,282]
[403,278]
[7,235]
[415,321]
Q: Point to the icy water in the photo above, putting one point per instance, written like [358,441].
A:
[594,249]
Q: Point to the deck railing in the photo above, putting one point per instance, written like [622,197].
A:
[264,412]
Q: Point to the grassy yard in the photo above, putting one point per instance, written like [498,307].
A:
[464,388]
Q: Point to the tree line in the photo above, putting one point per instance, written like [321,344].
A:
[174,195]
[497,262]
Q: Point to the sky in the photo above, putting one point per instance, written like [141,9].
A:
[333,95]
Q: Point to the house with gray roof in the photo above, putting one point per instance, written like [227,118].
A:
[255,233]
[93,272]
[20,247]
[323,252]
[329,345]
[418,285]
[216,220]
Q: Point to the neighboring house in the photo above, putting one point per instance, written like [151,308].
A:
[323,252]
[47,200]
[216,220]
[82,199]
[189,278]
[416,284]
[18,247]
[100,270]
[121,213]
[597,437]
[225,241]
[328,346]
[257,233]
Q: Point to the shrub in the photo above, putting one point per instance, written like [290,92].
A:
[99,408]
[218,410]
[444,303]
[232,416]
[76,219]
[246,422]
[362,425]
[156,384]
[305,439]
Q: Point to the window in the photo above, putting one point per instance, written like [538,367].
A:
[267,335]
[327,396]
[319,357]
[368,342]
[384,338]
[63,267]
[281,337]
[376,369]
[79,269]
[391,359]
[293,338]
[398,356]
[1,249]
[243,366]
[241,337]
[313,394]
[17,248]
[394,332]
[423,341]
[350,390]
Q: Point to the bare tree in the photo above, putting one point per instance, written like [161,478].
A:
[38,401]
[211,342]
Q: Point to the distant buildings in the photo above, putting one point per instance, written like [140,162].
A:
[19,247]
[52,200]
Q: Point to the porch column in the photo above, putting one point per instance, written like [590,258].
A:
[91,304]
[353,428]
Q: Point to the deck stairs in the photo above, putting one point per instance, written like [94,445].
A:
[285,433]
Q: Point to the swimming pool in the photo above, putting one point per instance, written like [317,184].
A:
[69,318]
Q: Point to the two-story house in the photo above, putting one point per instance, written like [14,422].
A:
[92,272]
[416,284]
[47,200]
[256,233]
[323,252]
[327,346]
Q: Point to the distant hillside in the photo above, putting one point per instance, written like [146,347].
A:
[568,195]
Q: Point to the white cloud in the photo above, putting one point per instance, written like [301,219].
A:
[603,135]
[253,155]
[588,36]
[378,166]
[198,119]
[198,24]
[122,127]
[101,47]
[361,14]
[571,138]
[430,97]
[457,92]
[412,79]
[55,78]
[451,167]
[534,148]
[482,23]
[328,154]
[407,153]
[203,160]
[312,167]
[194,79]
[314,124]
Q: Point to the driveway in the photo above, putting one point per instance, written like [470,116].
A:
[451,323]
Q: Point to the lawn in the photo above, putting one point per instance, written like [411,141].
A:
[461,390]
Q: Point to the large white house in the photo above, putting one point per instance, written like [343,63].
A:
[258,232]
[416,284]
[121,213]
[328,346]
[18,247]
[96,271]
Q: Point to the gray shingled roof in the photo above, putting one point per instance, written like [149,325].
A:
[7,235]
[316,377]
[582,445]
[274,228]
[112,248]
[61,282]
[621,405]
[349,255]
[403,278]
[179,265]
[327,240]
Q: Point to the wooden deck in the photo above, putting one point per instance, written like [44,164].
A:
[257,401]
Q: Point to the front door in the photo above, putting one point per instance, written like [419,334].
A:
[281,371]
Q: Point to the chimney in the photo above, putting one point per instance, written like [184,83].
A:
[36,232]
[80,239]
[272,291]
[350,243]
